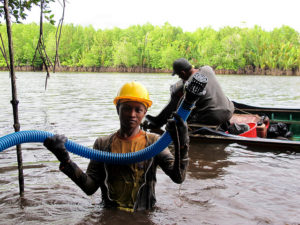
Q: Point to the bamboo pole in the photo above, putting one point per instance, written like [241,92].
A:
[14,100]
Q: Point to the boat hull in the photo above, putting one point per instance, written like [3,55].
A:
[258,144]
[289,116]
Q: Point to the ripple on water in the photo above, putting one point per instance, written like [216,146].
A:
[225,184]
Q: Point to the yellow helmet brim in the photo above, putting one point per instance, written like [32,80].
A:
[145,102]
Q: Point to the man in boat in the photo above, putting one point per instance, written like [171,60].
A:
[213,108]
[128,187]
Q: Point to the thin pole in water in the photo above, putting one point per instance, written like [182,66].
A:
[14,100]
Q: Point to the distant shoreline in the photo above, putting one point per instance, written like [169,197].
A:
[246,71]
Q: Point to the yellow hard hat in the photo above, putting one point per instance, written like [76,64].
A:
[133,91]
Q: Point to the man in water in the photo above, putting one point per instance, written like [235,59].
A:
[128,187]
[213,108]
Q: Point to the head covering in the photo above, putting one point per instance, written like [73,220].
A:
[133,91]
[131,100]
[181,64]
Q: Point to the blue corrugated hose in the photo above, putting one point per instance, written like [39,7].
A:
[98,155]
[194,88]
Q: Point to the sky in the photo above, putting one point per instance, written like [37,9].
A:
[187,14]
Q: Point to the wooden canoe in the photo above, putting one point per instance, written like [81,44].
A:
[288,116]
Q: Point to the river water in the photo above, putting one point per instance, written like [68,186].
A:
[225,184]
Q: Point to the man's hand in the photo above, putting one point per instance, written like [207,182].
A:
[182,129]
[152,122]
[179,132]
[56,144]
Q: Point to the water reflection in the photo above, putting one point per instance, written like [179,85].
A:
[207,160]
[116,217]
[225,184]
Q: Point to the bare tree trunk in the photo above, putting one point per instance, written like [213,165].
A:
[57,37]
[14,100]
[2,47]
[144,50]
[41,48]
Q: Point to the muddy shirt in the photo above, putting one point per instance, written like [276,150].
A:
[126,180]
[101,174]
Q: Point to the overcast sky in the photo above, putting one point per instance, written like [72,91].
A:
[187,14]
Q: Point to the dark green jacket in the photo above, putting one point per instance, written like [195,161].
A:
[213,108]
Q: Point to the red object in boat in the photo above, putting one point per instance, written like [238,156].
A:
[250,133]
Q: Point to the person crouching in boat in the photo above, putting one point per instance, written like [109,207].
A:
[128,187]
[213,108]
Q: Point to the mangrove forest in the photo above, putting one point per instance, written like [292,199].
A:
[148,48]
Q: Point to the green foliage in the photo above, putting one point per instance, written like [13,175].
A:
[18,9]
[158,46]
[125,54]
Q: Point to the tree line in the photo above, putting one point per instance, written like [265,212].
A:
[156,47]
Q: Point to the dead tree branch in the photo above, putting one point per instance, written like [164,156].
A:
[2,47]
[40,48]
[58,35]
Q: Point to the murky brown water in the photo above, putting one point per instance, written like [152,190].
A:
[226,184]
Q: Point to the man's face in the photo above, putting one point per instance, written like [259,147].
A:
[131,114]
[183,75]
